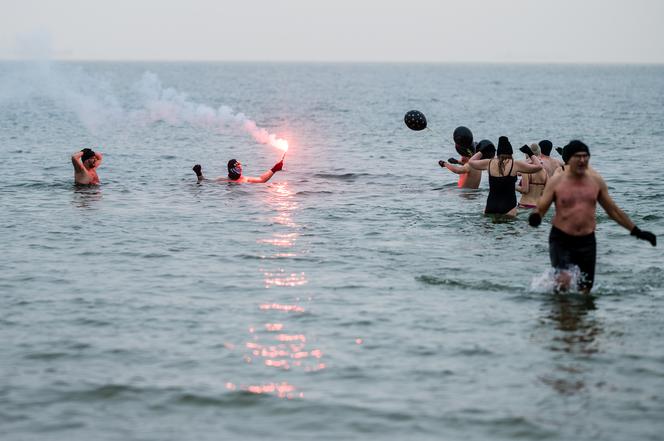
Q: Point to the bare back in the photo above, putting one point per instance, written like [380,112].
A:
[549,164]
[471,179]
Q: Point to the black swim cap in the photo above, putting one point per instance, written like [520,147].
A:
[572,148]
[546,146]
[233,173]
[504,146]
[87,154]
[487,148]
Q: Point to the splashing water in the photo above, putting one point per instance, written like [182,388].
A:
[549,280]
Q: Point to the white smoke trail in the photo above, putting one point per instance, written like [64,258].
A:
[97,107]
[173,107]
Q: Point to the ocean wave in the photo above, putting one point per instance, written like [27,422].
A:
[466,284]
[342,176]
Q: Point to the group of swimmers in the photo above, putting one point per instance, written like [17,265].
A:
[87,161]
[572,185]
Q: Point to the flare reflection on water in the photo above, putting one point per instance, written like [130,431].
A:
[277,345]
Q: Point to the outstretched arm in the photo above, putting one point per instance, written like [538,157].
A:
[268,174]
[611,208]
[477,163]
[458,169]
[619,216]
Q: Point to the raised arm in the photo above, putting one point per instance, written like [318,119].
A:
[99,158]
[524,167]
[199,173]
[544,201]
[268,174]
[76,161]
[523,186]
[477,163]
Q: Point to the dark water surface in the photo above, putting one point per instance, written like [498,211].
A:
[357,295]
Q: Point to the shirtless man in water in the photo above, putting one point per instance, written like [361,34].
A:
[576,191]
[85,164]
[235,173]
[550,164]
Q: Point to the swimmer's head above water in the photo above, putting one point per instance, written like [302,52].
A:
[89,158]
[546,147]
[573,148]
[504,147]
[234,169]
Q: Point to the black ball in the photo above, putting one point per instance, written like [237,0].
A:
[415,120]
[463,136]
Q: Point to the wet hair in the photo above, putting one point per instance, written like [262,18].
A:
[87,154]
[504,152]
[232,171]
[502,159]
[536,149]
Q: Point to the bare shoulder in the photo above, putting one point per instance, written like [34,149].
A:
[556,179]
[596,177]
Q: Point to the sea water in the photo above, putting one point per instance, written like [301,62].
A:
[359,294]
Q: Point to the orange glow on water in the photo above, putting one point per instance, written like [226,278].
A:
[286,337]
[271,344]
[282,279]
[279,307]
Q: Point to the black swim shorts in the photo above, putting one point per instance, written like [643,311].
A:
[566,250]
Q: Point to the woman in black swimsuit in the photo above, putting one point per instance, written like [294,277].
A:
[502,178]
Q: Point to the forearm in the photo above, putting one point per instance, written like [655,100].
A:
[621,218]
[456,169]
[266,176]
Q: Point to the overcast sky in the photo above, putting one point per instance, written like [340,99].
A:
[587,31]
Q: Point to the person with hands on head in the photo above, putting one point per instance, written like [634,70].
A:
[575,193]
[235,173]
[502,178]
[86,162]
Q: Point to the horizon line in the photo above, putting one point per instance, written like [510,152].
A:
[295,61]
